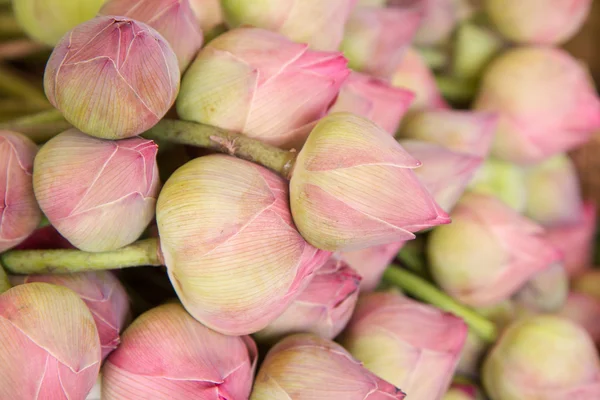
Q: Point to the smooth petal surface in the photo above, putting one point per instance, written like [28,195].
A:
[221,218]
[370,263]
[19,211]
[208,13]
[166,354]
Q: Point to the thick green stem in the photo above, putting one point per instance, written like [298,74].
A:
[231,143]
[13,84]
[4,283]
[143,252]
[426,292]
[38,127]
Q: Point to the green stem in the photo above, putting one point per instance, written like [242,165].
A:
[4,282]
[143,252]
[39,127]
[423,290]
[13,84]
[409,257]
[231,143]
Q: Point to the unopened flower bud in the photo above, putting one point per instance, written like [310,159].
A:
[546,291]
[545,102]
[307,367]
[584,310]
[237,83]
[167,354]
[370,263]
[323,308]
[173,19]
[220,217]
[208,13]
[503,180]
[51,348]
[345,160]
[19,211]
[48,20]
[318,23]
[411,345]
[112,77]
[99,194]
[488,252]
[439,20]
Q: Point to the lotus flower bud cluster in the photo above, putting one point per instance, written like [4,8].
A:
[307,367]
[166,354]
[221,217]
[99,194]
[376,39]
[546,291]
[544,100]
[235,83]
[439,20]
[208,13]
[19,211]
[173,19]
[344,161]
[112,77]
[104,295]
[323,308]
[47,21]
[411,345]
[488,252]
[60,360]
[503,180]
[538,21]
[370,263]
[544,357]
[318,23]
[373,99]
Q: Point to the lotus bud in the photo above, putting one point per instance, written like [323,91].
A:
[584,310]
[173,19]
[51,348]
[588,283]
[575,240]
[166,354]
[345,160]
[473,48]
[553,192]
[471,355]
[439,20]
[208,13]
[543,357]
[323,308]
[308,367]
[545,102]
[220,217]
[488,252]
[463,391]
[413,74]
[237,83]
[19,211]
[96,392]
[48,20]
[102,293]
[546,291]
[112,77]
[98,194]
[444,173]
[538,21]
[373,99]
[409,344]
[370,263]
[376,39]
[318,23]
[503,180]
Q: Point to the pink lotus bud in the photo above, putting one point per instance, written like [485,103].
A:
[318,23]
[503,180]
[166,354]
[553,192]
[545,102]
[439,20]
[411,345]
[102,293]
[488,252]
[48,20]
[221,217]
[112,77]
[100,195]
[208,13]
[545,358]
[307,367]
[538,21]
[173,19]
[588,283]
[376,39]
[323,308]
[373,99]
[345,160]
[413,74]
[575,240]
[96,392]
[444,173]
[50,343]
[19,211]
[463,391]
[370,263]
[584,310]
[258,82]
[546,291]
